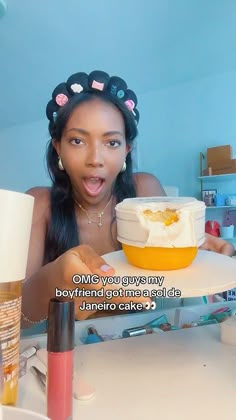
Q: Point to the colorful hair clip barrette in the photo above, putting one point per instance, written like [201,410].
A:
[97,85]
[54,116]
[120,94]
[113,90]
[130,104]
[77,88]
[61,99]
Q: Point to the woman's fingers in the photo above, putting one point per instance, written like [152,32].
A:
[92,260]
[87,271]
[111,292]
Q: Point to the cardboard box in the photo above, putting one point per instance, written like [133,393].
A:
[215,154]
[222,164]
[227,166]
[207,171]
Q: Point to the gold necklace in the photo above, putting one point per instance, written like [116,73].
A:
[99,213]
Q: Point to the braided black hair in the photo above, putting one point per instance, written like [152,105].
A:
[62,233]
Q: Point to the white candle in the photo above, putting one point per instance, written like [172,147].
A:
[1,415]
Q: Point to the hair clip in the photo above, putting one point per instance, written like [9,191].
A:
[113,89]
[54,116]
[120,94]
[61,99]
[130,104]
[97,85]
[76,87]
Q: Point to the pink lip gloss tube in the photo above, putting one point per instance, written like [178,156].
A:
[60,345]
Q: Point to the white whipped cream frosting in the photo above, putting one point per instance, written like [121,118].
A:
[134,228]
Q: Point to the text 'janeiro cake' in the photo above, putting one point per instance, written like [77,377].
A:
[160,233]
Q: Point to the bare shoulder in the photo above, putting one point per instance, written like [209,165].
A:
[39,192]
[41,202]
[147,185]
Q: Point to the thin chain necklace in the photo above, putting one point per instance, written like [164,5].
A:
[99,213]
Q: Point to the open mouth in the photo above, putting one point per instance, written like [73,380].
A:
[93,185]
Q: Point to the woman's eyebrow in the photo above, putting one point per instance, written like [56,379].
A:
[79,130]
[111,133]
[85,132]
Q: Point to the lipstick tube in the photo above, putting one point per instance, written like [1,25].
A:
[60,345]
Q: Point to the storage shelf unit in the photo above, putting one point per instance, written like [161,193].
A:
[223,183]
[228,239]
[220,207]
[222,177]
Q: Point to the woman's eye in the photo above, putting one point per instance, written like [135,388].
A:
[114,143]
[76,141]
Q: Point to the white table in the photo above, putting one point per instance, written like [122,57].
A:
[181,375]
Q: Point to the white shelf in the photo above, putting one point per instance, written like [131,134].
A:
[220,207]
[225,177]
[228,239]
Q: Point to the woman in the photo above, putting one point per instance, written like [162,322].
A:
[92,123]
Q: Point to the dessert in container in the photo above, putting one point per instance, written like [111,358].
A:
[160,233]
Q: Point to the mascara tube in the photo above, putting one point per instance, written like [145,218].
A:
[60,345]
[133,332]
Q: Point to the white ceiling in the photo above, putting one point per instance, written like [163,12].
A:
[153,44]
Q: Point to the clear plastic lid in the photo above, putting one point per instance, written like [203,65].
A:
[158,202]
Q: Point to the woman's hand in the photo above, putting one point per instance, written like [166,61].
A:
[212,243]
[83,261]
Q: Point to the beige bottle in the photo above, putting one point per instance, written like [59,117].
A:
[16,210]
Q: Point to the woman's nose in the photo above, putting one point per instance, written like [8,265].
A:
[95,156]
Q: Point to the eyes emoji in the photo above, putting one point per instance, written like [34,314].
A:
[150,305]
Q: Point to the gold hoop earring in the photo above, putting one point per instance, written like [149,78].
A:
[60,165]
[123,169]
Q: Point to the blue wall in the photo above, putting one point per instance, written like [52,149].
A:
[179,122]
[22,156]
[176,124]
